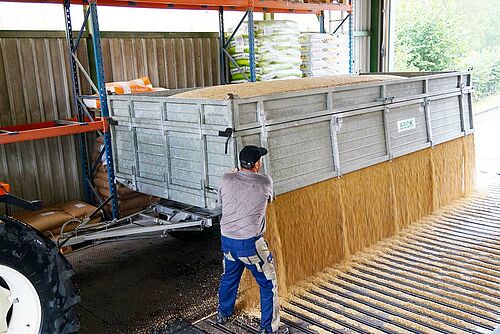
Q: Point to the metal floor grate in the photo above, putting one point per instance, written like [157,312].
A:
[442,277]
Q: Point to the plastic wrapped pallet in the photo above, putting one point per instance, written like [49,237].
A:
[277,51]
[324,54]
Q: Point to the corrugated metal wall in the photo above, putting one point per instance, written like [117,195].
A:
[362,29]
[35,86]
[170,60]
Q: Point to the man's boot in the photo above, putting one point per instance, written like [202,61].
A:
[281,330]
[221,319]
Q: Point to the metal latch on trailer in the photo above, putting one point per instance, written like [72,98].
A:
[226,133]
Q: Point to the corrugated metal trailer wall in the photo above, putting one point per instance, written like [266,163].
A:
[35,86]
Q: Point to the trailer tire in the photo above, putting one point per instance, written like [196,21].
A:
[43,270]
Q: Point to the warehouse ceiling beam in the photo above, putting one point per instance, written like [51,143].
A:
[267,6]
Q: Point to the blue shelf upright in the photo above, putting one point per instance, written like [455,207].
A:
[90,19]
[251,45]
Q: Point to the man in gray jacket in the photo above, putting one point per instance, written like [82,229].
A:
[243,196]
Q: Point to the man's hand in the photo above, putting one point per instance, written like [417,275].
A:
[234,170]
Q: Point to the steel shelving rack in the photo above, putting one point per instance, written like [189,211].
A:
[84,122]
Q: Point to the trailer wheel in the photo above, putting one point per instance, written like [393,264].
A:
[37,294]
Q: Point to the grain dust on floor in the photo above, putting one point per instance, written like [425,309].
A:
[148,285]
[439,275]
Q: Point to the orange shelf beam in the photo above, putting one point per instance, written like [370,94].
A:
[34,131]
[268,6]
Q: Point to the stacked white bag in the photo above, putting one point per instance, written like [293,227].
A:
[277,51]
[324,54]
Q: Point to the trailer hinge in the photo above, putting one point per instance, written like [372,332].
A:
[226,133]
[386,100]
[337,123]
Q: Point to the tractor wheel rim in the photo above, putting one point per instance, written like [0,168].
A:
[22,296]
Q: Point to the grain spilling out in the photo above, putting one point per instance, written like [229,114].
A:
[318,226]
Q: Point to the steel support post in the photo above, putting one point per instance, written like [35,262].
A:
[251,43]
[321,18]
[222,44]
[375,36]
[101,84]
[351,42]
[78,108]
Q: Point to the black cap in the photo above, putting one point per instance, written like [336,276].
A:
[250,154]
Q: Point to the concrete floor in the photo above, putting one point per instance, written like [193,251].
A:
[146,286]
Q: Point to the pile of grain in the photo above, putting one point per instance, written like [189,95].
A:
[315,227]
[129,201]
[281,86]
[49,220]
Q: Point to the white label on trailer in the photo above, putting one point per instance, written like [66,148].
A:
[407,124]
[47,213]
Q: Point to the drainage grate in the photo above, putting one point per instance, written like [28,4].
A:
[443,277]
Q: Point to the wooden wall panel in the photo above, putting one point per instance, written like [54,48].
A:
[35,86]
[170,60]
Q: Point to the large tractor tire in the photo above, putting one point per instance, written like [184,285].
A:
[37,294]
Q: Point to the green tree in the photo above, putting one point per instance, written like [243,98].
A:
[428,47]
[450,35]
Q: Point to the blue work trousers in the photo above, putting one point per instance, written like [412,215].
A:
[254,255]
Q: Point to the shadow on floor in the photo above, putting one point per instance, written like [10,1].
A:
[144,286]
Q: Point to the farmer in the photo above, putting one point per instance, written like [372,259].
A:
[243,196]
